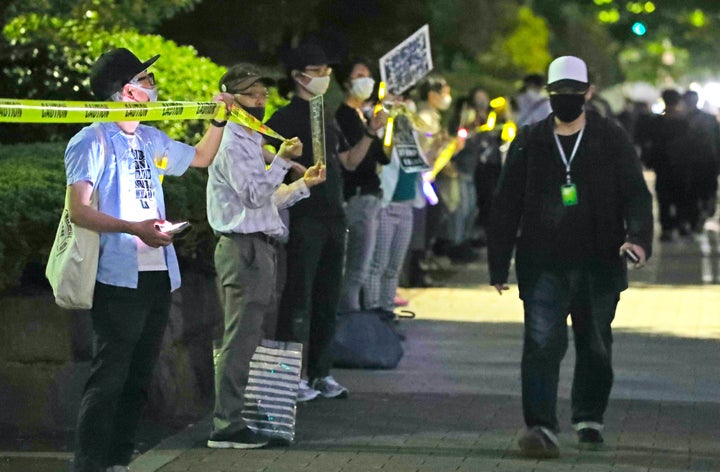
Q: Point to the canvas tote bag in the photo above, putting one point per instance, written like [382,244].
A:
[72,265]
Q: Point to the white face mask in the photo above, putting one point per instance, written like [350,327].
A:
[445,102]
[362,87]
[151,93]
[317,85]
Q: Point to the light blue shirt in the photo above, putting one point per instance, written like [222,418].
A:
[118,263]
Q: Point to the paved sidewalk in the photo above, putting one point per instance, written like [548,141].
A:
[453,404]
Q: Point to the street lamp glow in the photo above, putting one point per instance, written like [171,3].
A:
[711,93]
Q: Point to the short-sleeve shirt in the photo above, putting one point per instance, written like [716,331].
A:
[364,179]
[118,263]
[326,199]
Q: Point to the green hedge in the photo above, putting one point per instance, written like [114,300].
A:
[32,190]
[44,57]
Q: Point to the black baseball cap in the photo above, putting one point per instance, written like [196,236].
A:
[114,69]
[242,76]
[305,55]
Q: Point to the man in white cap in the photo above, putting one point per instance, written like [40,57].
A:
[572,201]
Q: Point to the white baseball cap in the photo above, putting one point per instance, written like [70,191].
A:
[568,71]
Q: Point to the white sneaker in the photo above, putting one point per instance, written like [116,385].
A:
[305,392]
[329,388]
[118,468]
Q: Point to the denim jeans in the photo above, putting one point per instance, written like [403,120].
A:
[555,295]
[128,327]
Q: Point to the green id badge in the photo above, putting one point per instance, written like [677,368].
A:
[569,194]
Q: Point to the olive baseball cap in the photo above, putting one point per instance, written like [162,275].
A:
[114,69]
[242,76]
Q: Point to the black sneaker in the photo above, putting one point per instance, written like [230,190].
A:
[243,439]
[539,442]
[590,438]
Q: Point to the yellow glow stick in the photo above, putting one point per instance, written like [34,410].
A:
[489,123]
[508,132]
[387,141]
[498,102]
[443,158]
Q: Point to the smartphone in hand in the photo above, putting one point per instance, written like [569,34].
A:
[173,228]
[631,255]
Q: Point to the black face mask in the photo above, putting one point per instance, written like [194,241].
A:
[567,107]
[257,112]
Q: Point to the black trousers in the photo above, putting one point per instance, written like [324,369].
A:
[547,306]
[128,326]
[315,258]
[668,190]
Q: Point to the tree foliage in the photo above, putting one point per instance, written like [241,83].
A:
[142,15]
[50,58]
[521,47]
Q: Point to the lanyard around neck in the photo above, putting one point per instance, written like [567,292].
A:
[574,151]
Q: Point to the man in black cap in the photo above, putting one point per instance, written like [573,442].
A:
[242,205]
[572,199]
[316,248]
[137,268]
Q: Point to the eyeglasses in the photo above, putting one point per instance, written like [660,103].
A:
[319,71]
[255,95]
[150,77]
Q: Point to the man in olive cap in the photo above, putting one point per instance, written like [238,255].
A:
[573,190]
[243,198]
[137,268]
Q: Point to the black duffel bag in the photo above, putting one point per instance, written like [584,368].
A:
[366,340]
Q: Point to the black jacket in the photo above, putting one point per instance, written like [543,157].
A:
[326,200]
[614,206]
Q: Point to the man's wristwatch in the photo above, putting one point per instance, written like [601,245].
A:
[218,124]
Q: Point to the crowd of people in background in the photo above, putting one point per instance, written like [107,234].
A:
[301,239]
[682,147]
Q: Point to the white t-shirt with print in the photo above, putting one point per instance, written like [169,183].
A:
[137,180]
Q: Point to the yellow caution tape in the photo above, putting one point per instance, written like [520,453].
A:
[239,115]
[55,111]
[51,111]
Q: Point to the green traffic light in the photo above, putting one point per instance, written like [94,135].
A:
[639,28]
